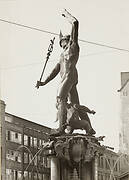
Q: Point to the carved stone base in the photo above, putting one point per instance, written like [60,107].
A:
[74,157]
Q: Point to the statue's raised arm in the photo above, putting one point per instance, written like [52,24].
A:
[75,24]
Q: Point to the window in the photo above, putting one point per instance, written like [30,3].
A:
[99,177]
[39,159]
[45,162]
[35,176]
[15,175]
[40,142]
[8,118]
[106,177]
[30,157]
[39,176]
[35,142]
[13,155]
[16,158]
[29,175]
[8,171]
[43,142]
[9,174]
[35,161]
[25,175]
[10,155]
[7,155]
[25,140]
[8,135]
[19,157]
[102,177]
[19,138]
[25,157]
[30,141]
[19,175]
[13,136]
[16,135]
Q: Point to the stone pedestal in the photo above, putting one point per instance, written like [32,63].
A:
[75,157]
[55,168]
[95,168]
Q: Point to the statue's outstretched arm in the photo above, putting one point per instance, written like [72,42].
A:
[75,25]
[53,74]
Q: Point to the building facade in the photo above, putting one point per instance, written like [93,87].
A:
[22,152]
[108,166]
[124,114]
[23,158]
[124,126]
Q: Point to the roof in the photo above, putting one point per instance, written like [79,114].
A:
[27,121]
[123,85]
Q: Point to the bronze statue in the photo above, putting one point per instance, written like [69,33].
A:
[70,116]
[67,69]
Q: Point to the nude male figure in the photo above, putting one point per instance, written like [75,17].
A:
[67,69]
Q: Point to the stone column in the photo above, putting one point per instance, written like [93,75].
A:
[55,169]
[86,171]
[2,141]
[95,168]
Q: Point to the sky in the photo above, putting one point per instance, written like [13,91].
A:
[23,53]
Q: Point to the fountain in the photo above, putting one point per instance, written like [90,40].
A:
[73,156]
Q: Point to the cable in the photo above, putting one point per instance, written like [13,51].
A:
[96,53]
[104,45]
[29,27]
[40,62]
[48,32]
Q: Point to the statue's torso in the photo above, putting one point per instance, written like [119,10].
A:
[68,61]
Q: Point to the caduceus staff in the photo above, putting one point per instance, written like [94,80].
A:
[50,49]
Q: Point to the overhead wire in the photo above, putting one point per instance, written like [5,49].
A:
[29,27]
[40,62]
[53,33]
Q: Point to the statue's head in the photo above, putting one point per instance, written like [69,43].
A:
[64,40]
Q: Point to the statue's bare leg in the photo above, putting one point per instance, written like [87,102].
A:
[63,91]
[73,95]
